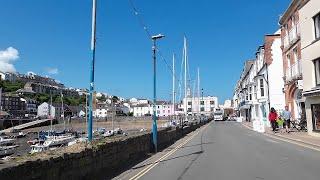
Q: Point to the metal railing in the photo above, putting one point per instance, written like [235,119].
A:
[294,71]
[292,36]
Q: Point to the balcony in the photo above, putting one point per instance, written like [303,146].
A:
[292,37]
[294,72]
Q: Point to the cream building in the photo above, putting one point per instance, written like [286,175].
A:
[310,45]
[200,105]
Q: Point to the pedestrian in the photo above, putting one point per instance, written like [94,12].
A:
[273,116]
[286,114]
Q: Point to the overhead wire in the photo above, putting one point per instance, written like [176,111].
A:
[148,34]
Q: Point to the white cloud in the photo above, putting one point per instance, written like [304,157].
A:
[52,71]
[7,57]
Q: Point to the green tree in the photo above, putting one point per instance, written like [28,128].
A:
[8,86]
[102,98]
[115,98]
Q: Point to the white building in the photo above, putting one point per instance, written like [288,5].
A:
[82,113]
[142,110]
[100,113]
[227,103]
[46,110]
[261,85]
[163,109]
[202,105]
[310,45]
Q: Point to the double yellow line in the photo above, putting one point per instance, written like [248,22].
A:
[155,163]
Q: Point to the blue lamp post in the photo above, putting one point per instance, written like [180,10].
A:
[93,50]
[154,117]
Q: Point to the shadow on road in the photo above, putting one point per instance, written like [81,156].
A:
[177,157]
[193,160]
[206,143]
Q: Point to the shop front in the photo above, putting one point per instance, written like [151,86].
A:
[312,109]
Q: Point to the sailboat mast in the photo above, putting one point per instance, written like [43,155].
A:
[62,108]
[185,78]
[50,112]
[199,90]
[173,86]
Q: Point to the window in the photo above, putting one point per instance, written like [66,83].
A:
[202,109]
[317,71]
[202,102]
[250,93]
[189,109]
[189,103]
[317,25]
[261,88]
[315,108]
[212,109]
[295,55]
[288,61]
[212,102]
[255,92]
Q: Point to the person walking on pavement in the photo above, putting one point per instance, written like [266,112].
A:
[286,115]
[273,116]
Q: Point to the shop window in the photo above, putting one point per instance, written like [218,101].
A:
[315,108]
[263,111]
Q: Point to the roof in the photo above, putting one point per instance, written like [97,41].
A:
[247,66]
[294,5]
[141,105]
[161,102]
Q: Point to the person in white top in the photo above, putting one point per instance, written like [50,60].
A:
[286,115]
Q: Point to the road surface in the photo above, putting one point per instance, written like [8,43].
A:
[229,151]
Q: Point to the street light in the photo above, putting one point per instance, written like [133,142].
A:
[92,65]
[154,125]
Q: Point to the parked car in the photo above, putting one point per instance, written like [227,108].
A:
[118,131]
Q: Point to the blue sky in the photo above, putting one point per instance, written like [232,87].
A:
[53,38]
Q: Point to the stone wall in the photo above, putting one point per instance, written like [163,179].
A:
[102,161]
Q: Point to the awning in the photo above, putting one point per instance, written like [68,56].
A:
[246,106]
[311,93]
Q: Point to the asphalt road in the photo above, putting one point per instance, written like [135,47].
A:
[229,151]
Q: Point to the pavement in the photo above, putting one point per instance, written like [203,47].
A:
[294,135]
[229,151]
